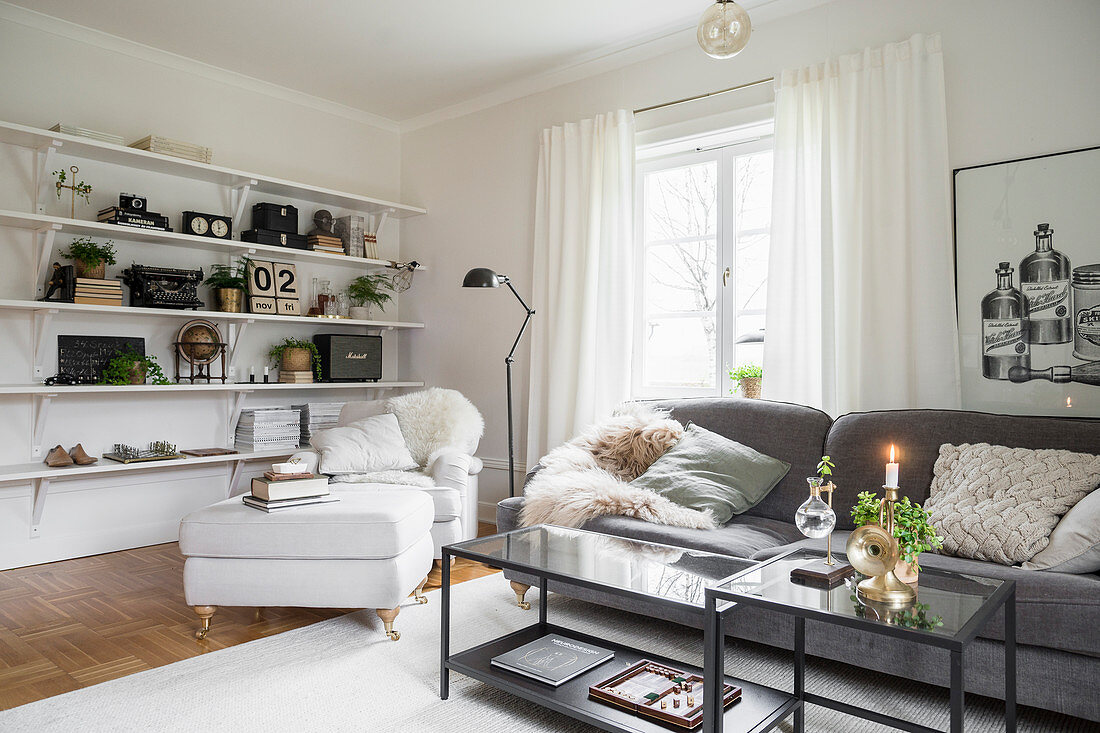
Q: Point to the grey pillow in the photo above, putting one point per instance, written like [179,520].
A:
[708,472]
[1075,542]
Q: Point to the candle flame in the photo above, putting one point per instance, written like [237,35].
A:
[892,453]
[1069,402]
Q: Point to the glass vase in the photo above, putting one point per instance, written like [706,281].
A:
[815,518]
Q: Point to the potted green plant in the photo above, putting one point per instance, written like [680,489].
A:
[296,355]
[229,283]
[368,291]
[128,366]
[912,528]
[90,256]
[748,378]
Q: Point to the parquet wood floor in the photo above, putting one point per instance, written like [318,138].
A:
[78,622]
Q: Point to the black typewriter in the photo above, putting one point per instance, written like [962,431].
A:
[163,287]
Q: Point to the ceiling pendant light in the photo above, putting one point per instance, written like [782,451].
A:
[724,29]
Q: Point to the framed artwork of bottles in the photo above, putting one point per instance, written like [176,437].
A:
[1027,282]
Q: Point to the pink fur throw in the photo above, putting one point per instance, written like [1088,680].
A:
[588,476]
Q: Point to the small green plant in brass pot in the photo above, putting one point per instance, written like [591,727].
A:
[128,366]
[90,256]
[229,283]
[912,528]
[296,355]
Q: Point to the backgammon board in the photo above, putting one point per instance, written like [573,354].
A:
[660,692]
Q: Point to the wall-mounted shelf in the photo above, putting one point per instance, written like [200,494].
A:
[248,387]
[46,140]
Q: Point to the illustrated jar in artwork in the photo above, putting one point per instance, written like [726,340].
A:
[296,360]
[750,387]
[1086,312]
[98,271]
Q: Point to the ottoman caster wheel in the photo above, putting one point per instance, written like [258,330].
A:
[204,613]
[520,589]
[394,635]
[388,615]
[201,634]
[421,599]
[525,605]
[418,594]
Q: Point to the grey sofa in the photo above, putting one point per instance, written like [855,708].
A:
[1058,615]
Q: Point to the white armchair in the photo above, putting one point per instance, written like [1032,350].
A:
[442,430]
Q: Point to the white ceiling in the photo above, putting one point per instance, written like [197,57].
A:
[396,59]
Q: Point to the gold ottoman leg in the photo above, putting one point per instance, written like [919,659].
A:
[520,590]
[388,615]
[204,614]
[418,594]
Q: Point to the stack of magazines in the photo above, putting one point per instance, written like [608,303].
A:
[103,137]
[175,148]
[552,659]
[268,428]
[318,416]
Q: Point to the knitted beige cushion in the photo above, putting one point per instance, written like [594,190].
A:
[995,503]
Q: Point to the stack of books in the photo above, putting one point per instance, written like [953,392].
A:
[104,137]
[318,416]
[96,291]
[268,428]
[136,219]
[370,246]
[289,377]
[277,491]
[325,243]
[175,148]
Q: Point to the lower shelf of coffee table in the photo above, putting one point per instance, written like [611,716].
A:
[759,709]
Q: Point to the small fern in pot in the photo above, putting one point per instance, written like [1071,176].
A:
[369,291]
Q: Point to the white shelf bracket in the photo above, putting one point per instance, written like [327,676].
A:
[381,223]
[236,333]
[239,199]
[41,413]
[43,156]
[41,487]
[41,324]
[44,240]
[235,479]
[235,415]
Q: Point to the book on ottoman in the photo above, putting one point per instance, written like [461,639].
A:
[274,506]
[268,490]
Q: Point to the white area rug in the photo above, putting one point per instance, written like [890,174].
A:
[344,675]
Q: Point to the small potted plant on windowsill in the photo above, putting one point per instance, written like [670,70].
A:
[90,256]
[748,378]
[912,528]
[128,366]
[229,283]
[296,355]
[367,292]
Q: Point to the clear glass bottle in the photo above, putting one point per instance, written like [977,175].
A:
[326,299]
[1044,281]
[1004,317]
[815,518]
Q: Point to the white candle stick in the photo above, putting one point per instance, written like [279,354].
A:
[892,471]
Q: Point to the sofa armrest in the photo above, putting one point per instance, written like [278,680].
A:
[453,468]
[309,458]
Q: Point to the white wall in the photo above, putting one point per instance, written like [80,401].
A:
[82,79]
[1021,80]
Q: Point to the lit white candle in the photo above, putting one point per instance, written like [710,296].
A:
[892,471]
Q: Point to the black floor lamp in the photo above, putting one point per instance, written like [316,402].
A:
[483,277]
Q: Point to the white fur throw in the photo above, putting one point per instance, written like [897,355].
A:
[436,419]
[996,503]
[587,477]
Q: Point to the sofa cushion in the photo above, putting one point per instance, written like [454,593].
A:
[365,525]
[709,472]
[1075,543]
[1056,610]
[859,444]
[792,433]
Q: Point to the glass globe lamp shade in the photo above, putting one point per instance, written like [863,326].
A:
[724,29]
[815,518]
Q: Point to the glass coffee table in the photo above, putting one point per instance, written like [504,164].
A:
[658,574]
[951,609]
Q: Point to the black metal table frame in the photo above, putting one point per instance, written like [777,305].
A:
[544,576]
[714,641]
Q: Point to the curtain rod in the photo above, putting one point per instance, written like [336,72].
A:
[685,100]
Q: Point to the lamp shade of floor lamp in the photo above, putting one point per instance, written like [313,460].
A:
[483,277]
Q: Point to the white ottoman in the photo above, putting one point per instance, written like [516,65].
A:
[368,550]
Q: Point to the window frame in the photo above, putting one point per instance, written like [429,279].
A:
[726,315]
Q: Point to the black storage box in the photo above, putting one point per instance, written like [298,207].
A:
[349,357]
[276,217]
[279,239]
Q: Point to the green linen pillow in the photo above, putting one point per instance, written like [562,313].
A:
[706,471]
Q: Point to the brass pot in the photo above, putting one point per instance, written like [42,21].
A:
[83,269]
[296,360]
[750,387]
[230,300]
[907,573]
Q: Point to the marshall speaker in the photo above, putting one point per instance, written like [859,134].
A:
[349,358]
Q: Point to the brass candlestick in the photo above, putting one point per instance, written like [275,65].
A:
[873,551]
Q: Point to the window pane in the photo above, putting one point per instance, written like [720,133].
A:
[680,352]
[751,353]
[681,202]
[753,180]
[751,277]
[681,277]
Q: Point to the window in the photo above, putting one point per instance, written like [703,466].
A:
[703,232]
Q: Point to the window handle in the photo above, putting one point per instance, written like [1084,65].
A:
[726,277]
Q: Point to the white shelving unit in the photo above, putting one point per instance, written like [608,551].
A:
[240,186]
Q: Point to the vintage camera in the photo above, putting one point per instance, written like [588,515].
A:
[132,202]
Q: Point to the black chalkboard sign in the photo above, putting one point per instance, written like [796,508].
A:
[88,355]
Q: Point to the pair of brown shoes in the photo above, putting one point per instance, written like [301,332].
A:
[58,458]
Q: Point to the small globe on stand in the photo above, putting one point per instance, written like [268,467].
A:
[199,342]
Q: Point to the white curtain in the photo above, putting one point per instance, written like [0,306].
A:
[583,277]
[861,284]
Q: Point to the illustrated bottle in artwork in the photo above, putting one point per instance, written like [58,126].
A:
[1044,280]
[1004,321]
